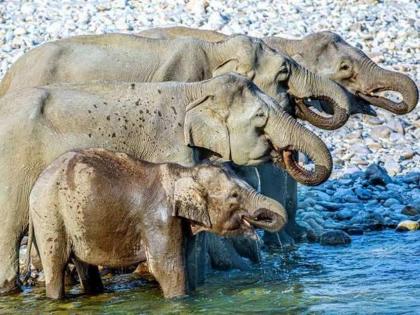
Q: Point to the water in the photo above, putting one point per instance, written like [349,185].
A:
[377,273]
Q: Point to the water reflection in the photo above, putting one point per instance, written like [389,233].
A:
[377,273]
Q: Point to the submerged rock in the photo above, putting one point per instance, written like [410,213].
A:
[407,225]
[335,238]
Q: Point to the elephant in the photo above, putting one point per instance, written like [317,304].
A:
[329,55]
[102,208]
[227,118]
[124,57]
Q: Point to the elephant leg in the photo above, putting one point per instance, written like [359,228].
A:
[14,222]
[89,277]
[277,184]
[247,248]
[223,255]
[54,251]
[165,257]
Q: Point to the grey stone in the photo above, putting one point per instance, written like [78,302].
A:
[344,214]
[363,194]
[335,238]
[381,132]
[390,202]
[377,175]
[410,211]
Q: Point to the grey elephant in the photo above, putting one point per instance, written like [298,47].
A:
[123,57]
[227,118]
[102,208]
[328,55]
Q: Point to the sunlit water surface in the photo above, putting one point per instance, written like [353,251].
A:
[377,273]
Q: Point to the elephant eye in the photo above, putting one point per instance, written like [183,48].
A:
[345,67]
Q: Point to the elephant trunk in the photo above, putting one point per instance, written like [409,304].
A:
[288,137]
[305,84]
[264,212]
[386,80]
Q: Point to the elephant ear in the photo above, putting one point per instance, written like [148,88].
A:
[230,65]
[205,127]
[190,202]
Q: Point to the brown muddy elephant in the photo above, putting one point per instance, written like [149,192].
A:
[100,207]
[124,57]
[329,55]
[227,118]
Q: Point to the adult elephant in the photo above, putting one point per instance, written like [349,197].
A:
[329,55]
[227,118]
[128,57]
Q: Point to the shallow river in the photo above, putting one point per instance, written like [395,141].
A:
[377,273]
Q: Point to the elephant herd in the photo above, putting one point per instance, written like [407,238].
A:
[104,141]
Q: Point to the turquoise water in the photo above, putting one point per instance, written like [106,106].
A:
[377,273]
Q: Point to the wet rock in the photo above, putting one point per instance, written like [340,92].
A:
[354,231]
[408,225]
[390,202]
[363,194]
[377,175]
[410,211]
[344,214]
[335,238]
[330,206]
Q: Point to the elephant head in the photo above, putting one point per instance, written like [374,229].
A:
[278,75]
[214,200]
[328,55]
[234,120]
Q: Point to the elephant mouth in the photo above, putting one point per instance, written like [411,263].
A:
[265,219]
[382,97]
[287,159]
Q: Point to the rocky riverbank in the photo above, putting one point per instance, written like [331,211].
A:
[362,201]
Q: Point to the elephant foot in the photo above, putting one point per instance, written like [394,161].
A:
[10,287]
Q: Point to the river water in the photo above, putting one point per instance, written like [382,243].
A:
[377,273]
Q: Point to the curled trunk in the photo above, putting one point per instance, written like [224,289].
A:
[305,84]
[385,80]
[288,137]
[264,212]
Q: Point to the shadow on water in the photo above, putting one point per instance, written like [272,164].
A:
[378,272]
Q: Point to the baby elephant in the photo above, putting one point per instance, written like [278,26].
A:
[99,207]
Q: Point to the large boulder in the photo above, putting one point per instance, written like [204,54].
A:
[335,237]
